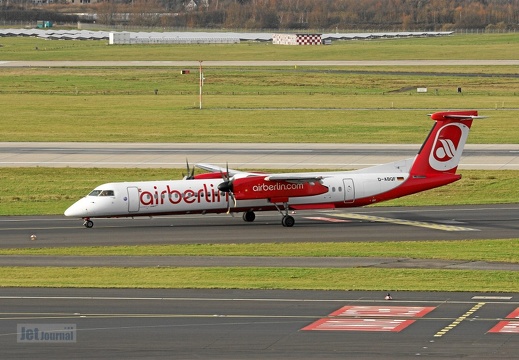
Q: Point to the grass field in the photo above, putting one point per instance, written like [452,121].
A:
[262,278]
[483,46]
[354,105]
[34,191]
[339,104]
[319,119]
[506,250]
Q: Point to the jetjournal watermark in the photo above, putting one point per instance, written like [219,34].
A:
[46,333]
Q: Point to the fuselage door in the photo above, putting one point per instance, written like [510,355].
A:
[133,199]
[349,190]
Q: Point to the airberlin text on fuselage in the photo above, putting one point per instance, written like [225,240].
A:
[277,187]
[189,196]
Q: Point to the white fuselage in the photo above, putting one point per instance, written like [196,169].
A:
[202,196]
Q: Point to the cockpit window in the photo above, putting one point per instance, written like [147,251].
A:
[102,193]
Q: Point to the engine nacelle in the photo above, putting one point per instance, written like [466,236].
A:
[257,187]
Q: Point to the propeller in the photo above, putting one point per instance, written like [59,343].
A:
[190,172]
[227,187]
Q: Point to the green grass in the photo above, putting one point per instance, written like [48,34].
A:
[229,118]
[247,104]
[244,105]
[263,81]
[483,46]
[39,191]
[506,250]
[262,278]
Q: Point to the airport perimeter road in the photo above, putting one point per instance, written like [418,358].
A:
[241,155]
[240,324]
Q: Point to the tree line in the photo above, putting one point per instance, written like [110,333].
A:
[396,15]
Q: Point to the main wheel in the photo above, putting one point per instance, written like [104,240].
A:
[288,221]
[249,216]
[88,224]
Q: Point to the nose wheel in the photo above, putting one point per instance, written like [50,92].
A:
[88,223]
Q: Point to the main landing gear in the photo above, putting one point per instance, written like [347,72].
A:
[249,216]
[88,223]
[286,220]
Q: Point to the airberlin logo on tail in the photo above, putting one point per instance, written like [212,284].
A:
[447,150]
[448,146]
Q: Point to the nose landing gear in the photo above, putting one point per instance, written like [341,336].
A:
[88,223]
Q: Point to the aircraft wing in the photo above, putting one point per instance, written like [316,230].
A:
[219,169]
[293,178]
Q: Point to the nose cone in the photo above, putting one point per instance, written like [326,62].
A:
[78,209]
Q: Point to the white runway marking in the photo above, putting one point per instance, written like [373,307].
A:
[405,222]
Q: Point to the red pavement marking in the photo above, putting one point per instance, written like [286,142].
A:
[393,311]
[509,326]
[514,314]
[506,327]
[369,318]
[337,324]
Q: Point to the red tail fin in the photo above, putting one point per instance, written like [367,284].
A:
[441,151]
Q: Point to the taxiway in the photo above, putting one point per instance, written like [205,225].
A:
[253,155]
[240,324]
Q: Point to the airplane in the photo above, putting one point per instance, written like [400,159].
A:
[224,190]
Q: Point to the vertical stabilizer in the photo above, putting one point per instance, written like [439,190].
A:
[441,151]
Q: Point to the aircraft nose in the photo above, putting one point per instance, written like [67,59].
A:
[78,209]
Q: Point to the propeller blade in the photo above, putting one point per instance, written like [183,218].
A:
[190,172]
[231,195]
[227,187]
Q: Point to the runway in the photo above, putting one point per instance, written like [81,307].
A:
[240,324]
[360,224]
[253,155]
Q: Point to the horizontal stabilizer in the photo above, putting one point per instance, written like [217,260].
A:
[456,115]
